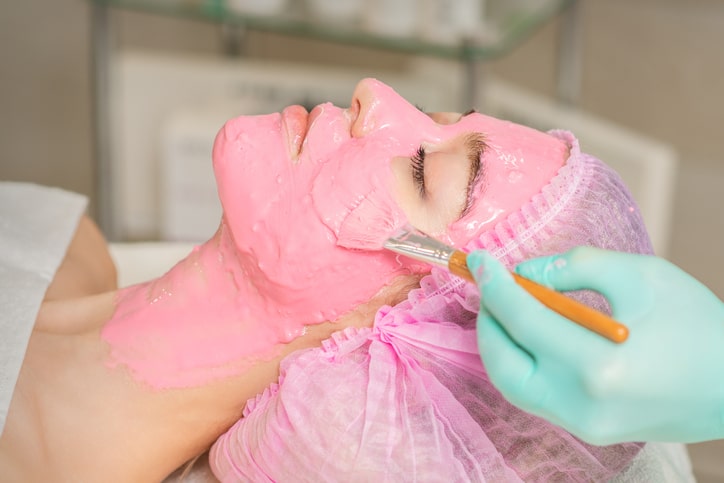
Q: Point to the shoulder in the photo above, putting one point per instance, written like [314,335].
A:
[80,296]
[87,267]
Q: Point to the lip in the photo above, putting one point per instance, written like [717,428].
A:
[315,113]
[295,122]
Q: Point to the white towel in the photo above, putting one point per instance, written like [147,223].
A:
[37,224]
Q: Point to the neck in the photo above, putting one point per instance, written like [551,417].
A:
[205,319]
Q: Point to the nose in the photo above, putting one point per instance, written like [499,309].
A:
[363,107]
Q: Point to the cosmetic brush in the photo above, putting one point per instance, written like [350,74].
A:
[414,244]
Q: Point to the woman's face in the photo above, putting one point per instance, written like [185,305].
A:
[296,186]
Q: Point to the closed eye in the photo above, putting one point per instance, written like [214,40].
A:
[418,171]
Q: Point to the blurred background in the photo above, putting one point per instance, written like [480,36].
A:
[120,100]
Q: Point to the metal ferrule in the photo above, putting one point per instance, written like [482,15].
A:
[420,247]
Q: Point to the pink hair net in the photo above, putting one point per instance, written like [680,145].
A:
[409,399]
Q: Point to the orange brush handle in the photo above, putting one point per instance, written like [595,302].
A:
[569,308]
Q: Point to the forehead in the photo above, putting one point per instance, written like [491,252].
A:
[505,134]
[517,162]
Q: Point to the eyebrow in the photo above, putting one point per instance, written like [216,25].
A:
[475,147]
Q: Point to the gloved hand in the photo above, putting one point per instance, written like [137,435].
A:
[664,383]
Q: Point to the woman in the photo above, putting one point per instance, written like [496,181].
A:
[127,385]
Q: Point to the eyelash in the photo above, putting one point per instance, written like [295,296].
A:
[418,170]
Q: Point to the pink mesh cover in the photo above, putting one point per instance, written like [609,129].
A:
[409,400]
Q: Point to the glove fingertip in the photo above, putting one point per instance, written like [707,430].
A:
[475,261]
[538,269]
[484,266]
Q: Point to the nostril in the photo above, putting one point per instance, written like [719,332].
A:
[361,98]
[356,118]
[364,99]
[354,109]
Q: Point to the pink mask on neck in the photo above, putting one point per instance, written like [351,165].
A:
[275,265]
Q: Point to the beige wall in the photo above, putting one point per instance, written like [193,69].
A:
[45,123]
[655,66]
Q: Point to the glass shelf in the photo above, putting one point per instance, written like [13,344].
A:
[505,24]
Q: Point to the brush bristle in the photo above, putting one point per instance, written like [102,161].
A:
[369,225]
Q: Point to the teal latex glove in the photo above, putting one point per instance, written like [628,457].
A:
[664,383]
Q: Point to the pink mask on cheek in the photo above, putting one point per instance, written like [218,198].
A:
[355,193]
[285,215]
[356,199]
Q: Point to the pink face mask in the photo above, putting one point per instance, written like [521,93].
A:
[285,212]
[286,207]
[294,187]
